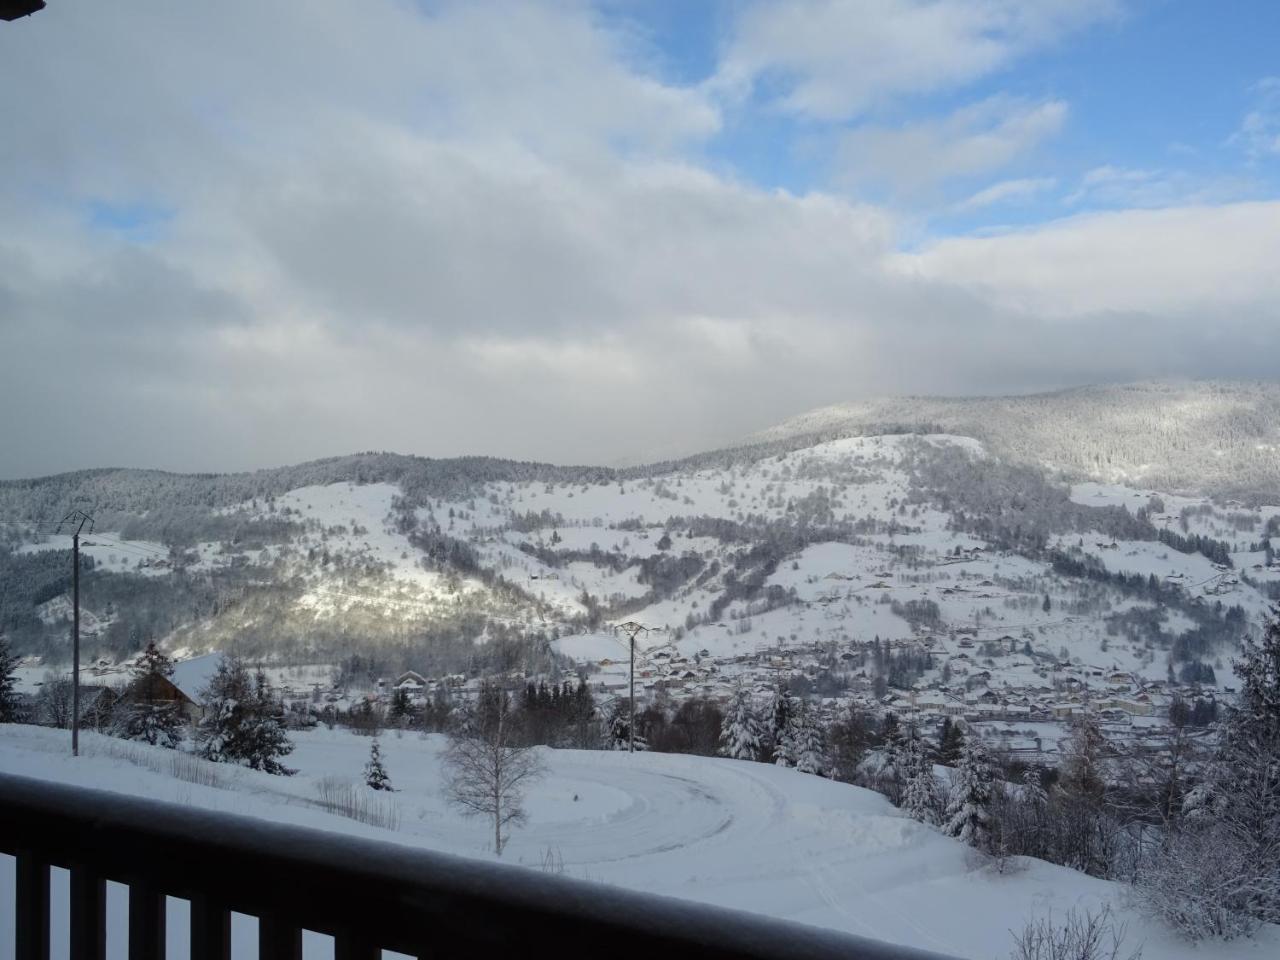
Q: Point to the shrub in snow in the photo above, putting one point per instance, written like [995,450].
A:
[968,813]
[1202,883]
[741,737]
[242,722]
[375,774]
[1081,936]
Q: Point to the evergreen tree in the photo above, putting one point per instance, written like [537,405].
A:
[1234,815]
[241,723]
[148,716]
[375,774]
[950,743]
[968,813]
[740,734]
[848,739]
[268,739]
[920,797]
[9,705]
[616,732]
[401,710]
[1083,771]
[780,710]
[805,746]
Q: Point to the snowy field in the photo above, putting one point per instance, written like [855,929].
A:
[731,833]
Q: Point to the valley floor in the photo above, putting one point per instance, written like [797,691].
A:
[737,834]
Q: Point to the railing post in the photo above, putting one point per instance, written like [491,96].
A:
[146,921]
[88,914]
[32,919]
[210,929]
[278,939]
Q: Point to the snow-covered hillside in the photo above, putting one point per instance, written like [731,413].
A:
[922,541]
[1203,437]
[737,834]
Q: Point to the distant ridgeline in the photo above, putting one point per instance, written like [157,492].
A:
[223,560]
[1202,437]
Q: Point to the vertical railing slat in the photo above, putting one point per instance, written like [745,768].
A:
[146,921]
[32,907]
[88,914]
[210,929]
[278,939]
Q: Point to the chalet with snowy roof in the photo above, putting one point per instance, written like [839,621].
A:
[412,683]
[184,688]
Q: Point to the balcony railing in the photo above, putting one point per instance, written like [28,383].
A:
[368,895]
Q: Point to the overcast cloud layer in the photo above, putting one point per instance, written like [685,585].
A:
[241,234]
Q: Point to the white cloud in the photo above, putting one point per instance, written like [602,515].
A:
[1112,186]
[973,140]
[480,230]
[1006,191]
[834,59]
[1161,263]
[1259,131]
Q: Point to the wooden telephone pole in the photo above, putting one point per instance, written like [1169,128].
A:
[631,628]
[79,518]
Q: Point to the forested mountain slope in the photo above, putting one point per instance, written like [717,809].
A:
[1201,437]
[479,563]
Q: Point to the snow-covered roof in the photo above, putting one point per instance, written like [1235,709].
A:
[193,676]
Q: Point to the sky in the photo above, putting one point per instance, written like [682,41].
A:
[255,232]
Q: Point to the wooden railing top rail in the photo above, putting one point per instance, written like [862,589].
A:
[382,894]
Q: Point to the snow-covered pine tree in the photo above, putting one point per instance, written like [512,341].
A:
[1033,790]
[9,706]
[920,797]
[375,774]
[1220,875]
[805,743]
[740,735]
[240,723]
[147,715]
[777,720]
[616,731]
[950,743]
[268,740]
[968,814]
[220,733]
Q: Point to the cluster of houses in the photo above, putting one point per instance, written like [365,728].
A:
[1028,698]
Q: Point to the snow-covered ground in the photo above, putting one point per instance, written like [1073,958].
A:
[736,834]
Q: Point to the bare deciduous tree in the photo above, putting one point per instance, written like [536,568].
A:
[487,767]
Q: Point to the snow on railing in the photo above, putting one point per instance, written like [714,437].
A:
[368,895]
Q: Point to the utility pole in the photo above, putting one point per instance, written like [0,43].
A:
[80,518]
[631,628]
